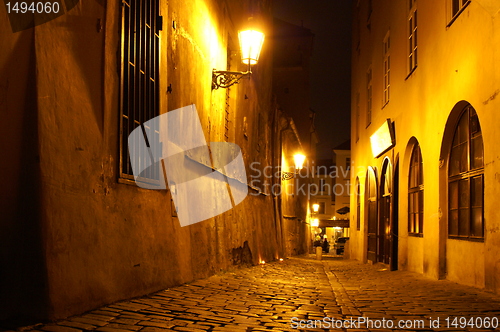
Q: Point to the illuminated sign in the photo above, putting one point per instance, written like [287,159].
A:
[383,139]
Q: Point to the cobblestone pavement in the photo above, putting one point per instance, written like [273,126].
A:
[300,293]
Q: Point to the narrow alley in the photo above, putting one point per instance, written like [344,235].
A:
[299,294]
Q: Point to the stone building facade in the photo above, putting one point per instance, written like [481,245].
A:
[425,85]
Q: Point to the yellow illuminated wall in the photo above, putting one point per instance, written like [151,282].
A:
[457,64]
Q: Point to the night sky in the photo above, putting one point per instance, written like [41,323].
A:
[330,21]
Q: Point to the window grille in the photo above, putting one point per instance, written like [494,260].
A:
[139,82]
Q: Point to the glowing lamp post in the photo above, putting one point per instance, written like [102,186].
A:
[299,160]
[250,46]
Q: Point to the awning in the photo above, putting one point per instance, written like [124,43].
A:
[333,223]
[344,210]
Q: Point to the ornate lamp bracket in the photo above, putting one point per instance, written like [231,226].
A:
[224,79]
[288,175]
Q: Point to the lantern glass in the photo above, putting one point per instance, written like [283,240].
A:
[299,159]
[250,46]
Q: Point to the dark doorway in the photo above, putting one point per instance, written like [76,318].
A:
[384,238]
[395,220]
[383,235]
[371,213]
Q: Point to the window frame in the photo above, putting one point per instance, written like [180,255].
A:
[412,22]
[461,199]
[416,193]
[453,15]
[386,93]
[139,83]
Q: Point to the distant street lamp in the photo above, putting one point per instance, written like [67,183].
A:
[315,222]
[250,46]
[315,207]
[298,159]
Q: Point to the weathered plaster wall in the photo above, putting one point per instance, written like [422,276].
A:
[90,239]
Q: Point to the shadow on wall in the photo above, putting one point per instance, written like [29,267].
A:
[23,275]
[88,68]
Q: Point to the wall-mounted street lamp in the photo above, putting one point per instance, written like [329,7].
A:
[250,46]
[298,159]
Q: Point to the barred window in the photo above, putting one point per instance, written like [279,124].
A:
[416,193]
[139,85]
[466,179]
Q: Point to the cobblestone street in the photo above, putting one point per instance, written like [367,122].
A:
[298,293]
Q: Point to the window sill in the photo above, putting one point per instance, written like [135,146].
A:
[411,72]
[132,182]
[127,181]
[421,235]
[463,238]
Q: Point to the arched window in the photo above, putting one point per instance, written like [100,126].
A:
[416,193]
[466,179]
[358,205]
